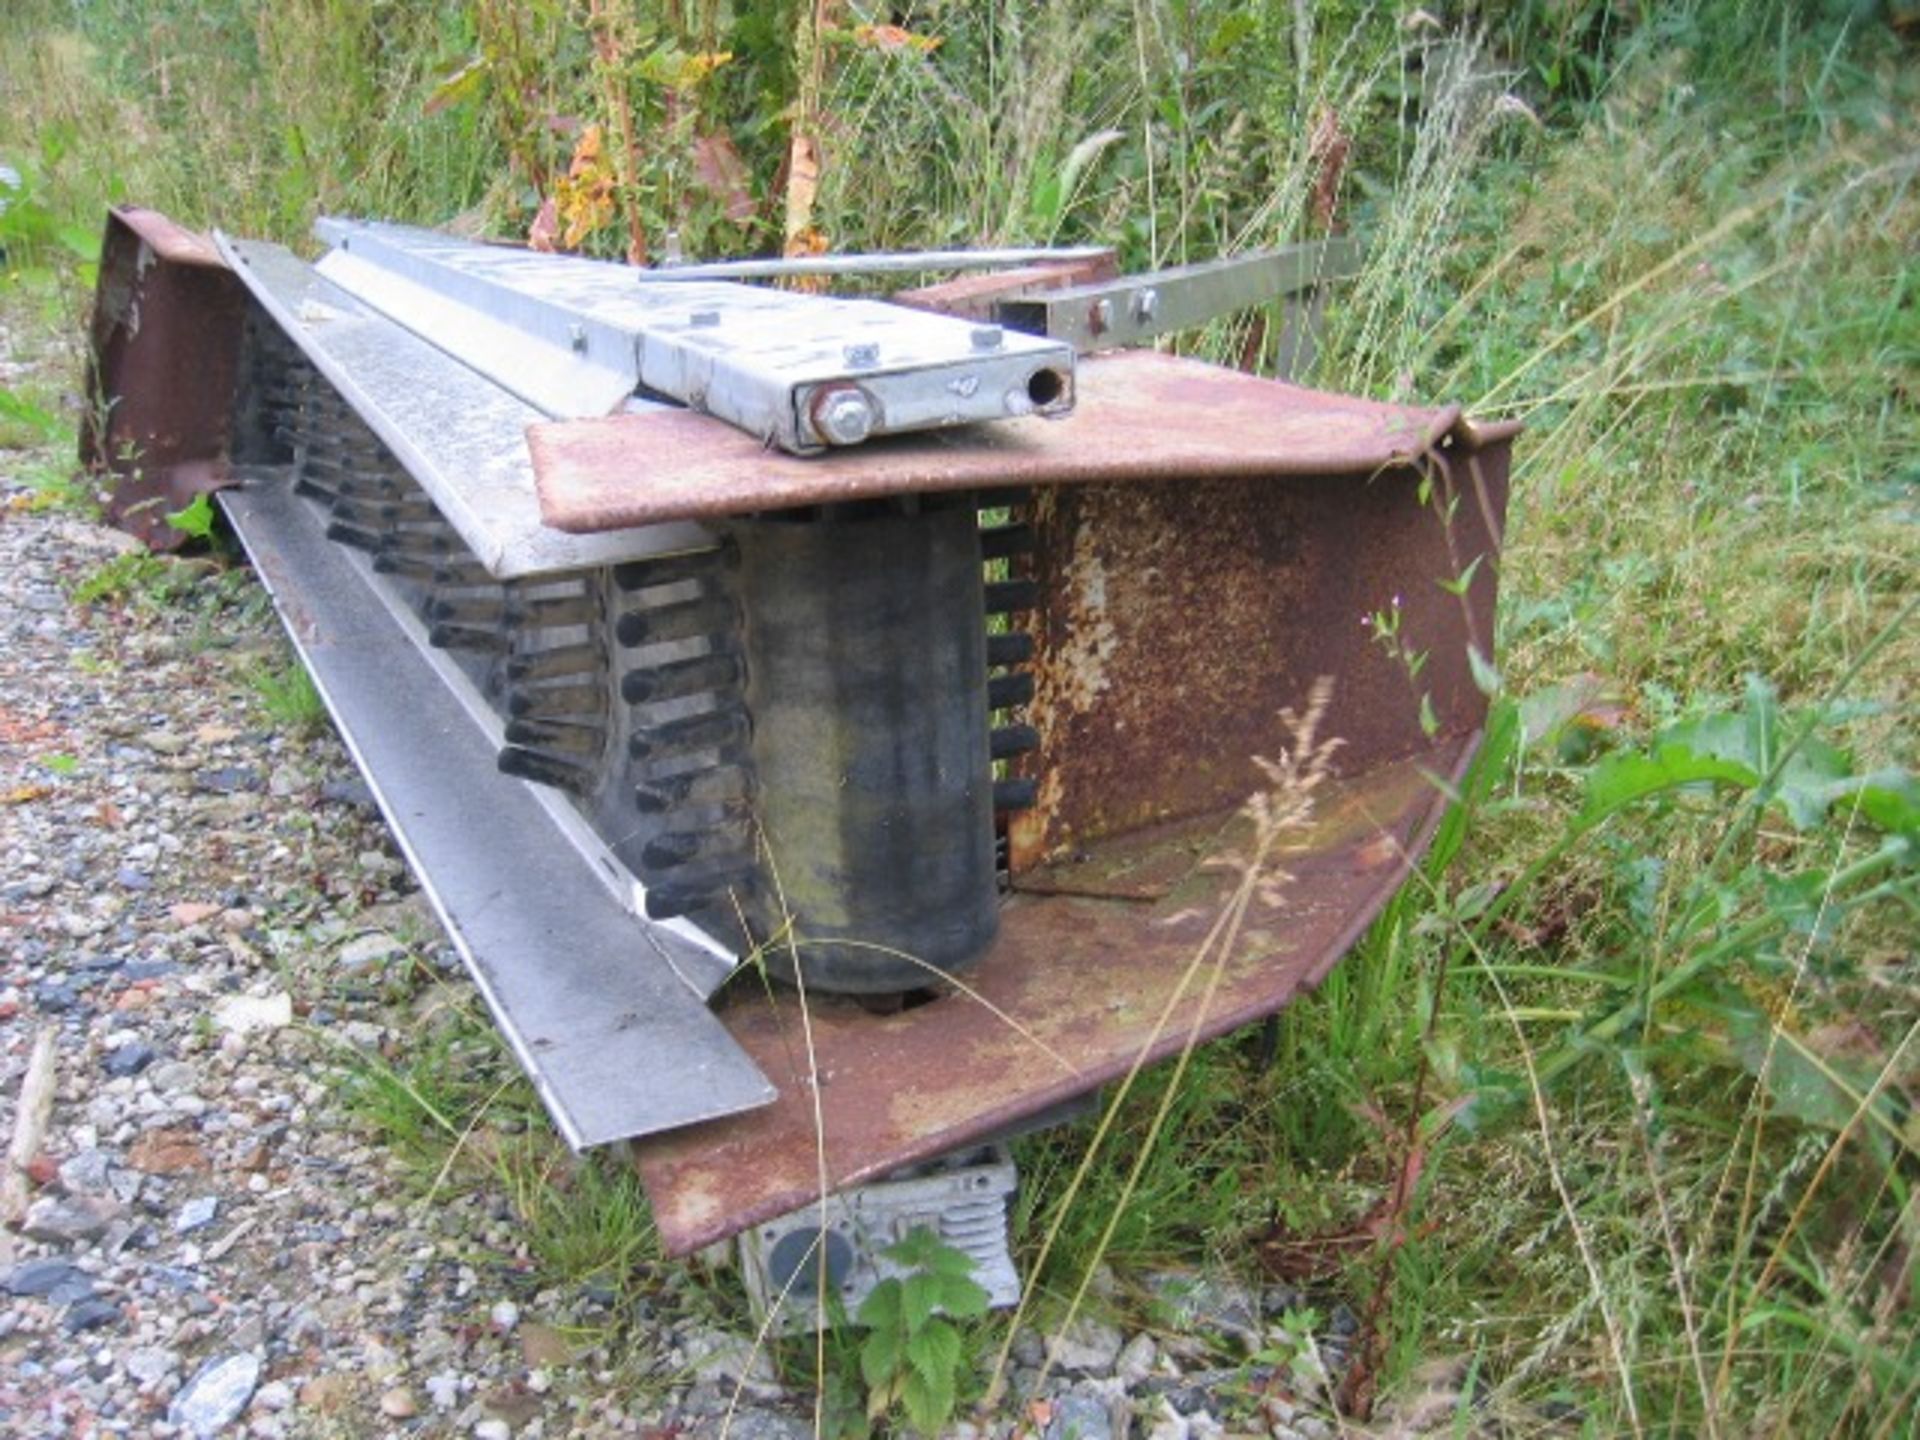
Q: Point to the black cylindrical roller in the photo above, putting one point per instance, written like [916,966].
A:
[1006,740]
[544,769]
[1015,647]
[713,730]
[671,569]
[727,846]
[865,663]
[719,671]
[541,701]
[716,785]
[461,637]
[1015,794]
[558,662]
[1013,688]
[712,615]
[1007,595]
[356,538]
[584,737]
[999,541]
[685,894]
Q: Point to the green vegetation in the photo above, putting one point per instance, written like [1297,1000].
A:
[913,1355]
[1615,1100]
[290,698]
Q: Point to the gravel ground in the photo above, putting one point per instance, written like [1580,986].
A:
[202,913]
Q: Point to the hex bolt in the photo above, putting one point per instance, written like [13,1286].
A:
[988,337]
[843,415]
[862,356]
[1146,305]
[577,337]
[1100,317]
[704,319]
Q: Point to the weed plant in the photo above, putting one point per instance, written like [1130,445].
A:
[1614,1102]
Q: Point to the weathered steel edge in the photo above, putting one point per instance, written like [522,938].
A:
[169,239]
[1141,417]
[162,357]
[680,1241]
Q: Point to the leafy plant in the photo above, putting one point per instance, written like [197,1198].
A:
[24,423]
[137,577]
[195,520]
[914,1355]
[289,696]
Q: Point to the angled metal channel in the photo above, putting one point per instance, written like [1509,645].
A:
[587,995]
[1136,308]
[458,433]
[566,335]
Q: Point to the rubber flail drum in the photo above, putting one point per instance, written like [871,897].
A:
[866,680]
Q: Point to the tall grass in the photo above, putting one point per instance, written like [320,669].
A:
[1634,1066]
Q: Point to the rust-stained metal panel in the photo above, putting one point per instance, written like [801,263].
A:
[1088,981]
[1175,621]
[1139,416]
[976,296]
[162,371]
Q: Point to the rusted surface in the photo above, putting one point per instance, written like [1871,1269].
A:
[162,371]
[1174,622]
[1093,984]
[974,297]
[1139,416]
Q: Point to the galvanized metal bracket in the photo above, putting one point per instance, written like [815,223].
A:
[803,373]
[1112,314]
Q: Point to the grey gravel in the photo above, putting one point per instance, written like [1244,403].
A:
[129,1059]
[215,1396]
[1087,1347]
[60,1221]
[42,1277]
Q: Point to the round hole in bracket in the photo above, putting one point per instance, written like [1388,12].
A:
[1044,387]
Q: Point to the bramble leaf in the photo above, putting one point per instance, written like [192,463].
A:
[881,1308]
[935,1352]
[919,1295]
[929,1403]
[880,1357]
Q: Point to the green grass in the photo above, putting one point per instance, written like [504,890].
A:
[289,697]
[1642,1070]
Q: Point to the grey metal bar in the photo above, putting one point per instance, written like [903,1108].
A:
[456,432]
[880,262]
[571,336]
[587,995]
[1114,313]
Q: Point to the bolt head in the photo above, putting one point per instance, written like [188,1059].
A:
[705,319]
[1146,305]
[1100,317]
[863,355]
[843,416]
[988,337]
[577,336]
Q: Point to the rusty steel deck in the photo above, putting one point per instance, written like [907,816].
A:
[1140,416]
[1073,993]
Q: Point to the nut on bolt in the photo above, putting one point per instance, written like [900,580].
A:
[843,414]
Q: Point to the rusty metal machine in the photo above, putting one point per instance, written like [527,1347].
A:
[812,716]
